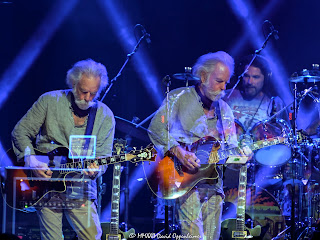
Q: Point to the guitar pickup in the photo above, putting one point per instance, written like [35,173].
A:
[240,234]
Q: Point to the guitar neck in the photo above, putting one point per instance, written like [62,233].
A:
[224,154]
[99,161]
[115,200]
[134,156]
[241,207]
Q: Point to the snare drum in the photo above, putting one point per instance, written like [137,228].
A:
[275,155]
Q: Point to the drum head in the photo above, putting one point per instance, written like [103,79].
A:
[275,155]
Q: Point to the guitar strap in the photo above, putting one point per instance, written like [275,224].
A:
[218,112]
[91,118]
[89,128]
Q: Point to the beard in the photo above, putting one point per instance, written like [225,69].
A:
[82,104]
[212,95]
[250,92]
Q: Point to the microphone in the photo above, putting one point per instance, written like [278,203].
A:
[146,35]
[272,30]
[166,80]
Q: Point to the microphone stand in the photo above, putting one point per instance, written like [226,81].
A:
[167,81]
[256,52]
[125,63]
[101,188]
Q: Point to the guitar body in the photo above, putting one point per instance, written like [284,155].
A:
[121,235]
[228,226]
[62,179]
[171,180]
[27,192]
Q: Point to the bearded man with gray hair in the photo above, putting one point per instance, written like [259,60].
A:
[187,115]
[48,124]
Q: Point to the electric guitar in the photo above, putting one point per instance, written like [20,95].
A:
[25,191]
[170,179]
[236,228]
[114,233]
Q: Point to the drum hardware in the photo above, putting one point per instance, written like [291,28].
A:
[299,175]
[164,213]
[132,129]
[186,76]
[306,75]
[280,235]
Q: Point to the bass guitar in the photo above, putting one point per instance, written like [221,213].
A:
[25,191]
[170,179]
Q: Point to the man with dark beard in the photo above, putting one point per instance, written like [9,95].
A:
[187,115]
[254,99]
[48,124]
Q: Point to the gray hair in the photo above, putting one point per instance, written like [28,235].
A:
[208,62]
[88,67]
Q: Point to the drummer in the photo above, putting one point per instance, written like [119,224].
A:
[254,99]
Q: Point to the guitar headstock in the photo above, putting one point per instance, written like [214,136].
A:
[145,154]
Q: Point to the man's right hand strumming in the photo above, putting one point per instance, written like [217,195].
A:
[187,159]
[39,168]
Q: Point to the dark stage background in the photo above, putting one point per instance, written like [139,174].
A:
[35,54]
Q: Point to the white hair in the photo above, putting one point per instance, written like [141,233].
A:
[208,62]
[88,67]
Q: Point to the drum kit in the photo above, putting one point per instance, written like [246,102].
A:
[285,177]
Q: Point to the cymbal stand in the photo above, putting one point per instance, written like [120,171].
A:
[295,154]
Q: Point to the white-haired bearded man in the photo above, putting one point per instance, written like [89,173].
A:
[49,123]
[190,114]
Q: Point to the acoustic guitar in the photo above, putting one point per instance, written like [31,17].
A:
[170,179]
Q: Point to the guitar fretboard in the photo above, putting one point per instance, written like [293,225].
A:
[241,207]
[99,161]
[215,157]
[114,221]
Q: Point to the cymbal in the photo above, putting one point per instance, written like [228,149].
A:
[185,77]
[131,129]
[306,78]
